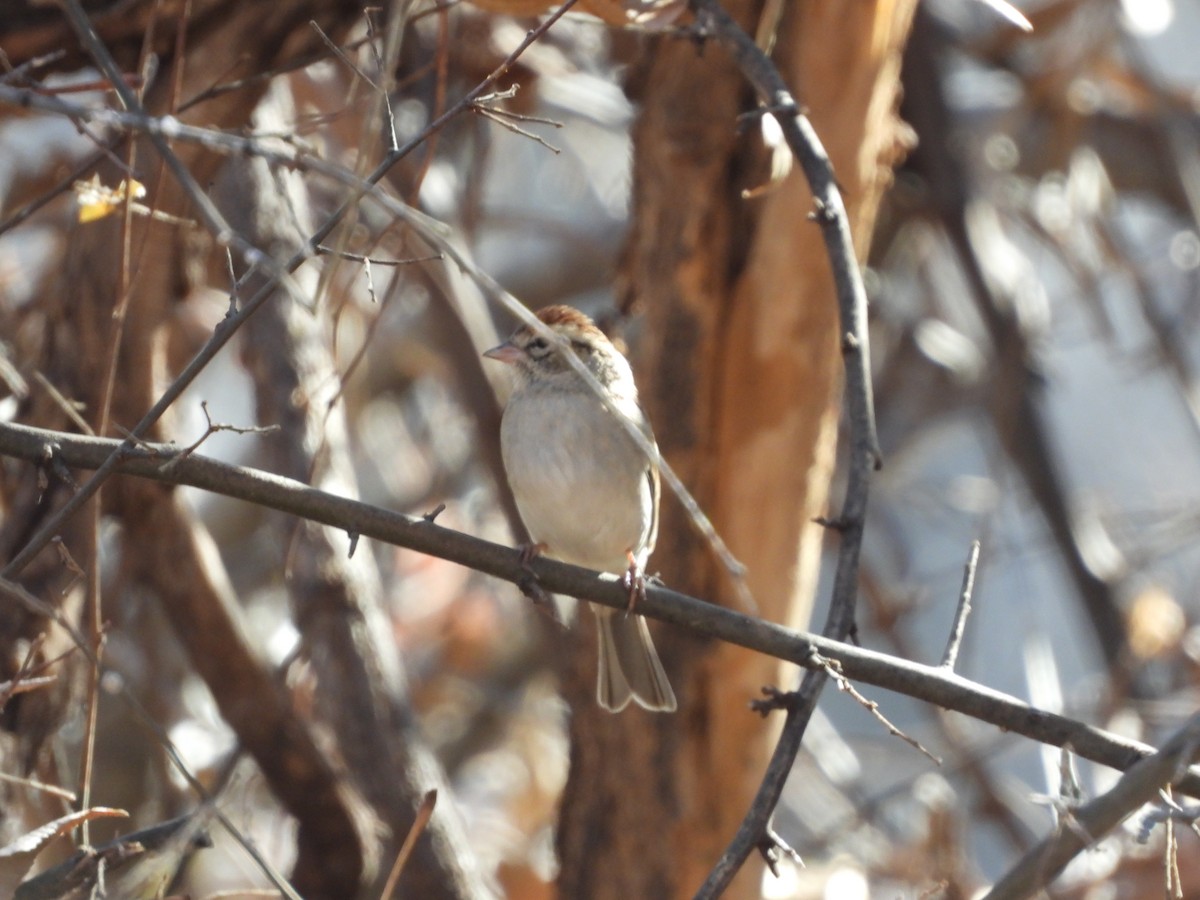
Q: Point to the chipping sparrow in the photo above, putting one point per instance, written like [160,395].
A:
[585,490]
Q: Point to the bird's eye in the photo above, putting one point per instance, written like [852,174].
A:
[537,345]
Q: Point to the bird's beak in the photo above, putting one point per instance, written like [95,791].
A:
[508,352]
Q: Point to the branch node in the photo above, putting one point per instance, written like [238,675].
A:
[774,699]
[430,516]
[701,31]
[822,212]
[56,465]
[354,536]
[773,848]
[542,600]
[836,524]
[833,669]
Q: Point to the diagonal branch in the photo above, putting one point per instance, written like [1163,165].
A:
[932,684]
[234,320]
[1140,784]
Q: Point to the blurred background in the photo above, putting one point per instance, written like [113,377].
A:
[1033,274]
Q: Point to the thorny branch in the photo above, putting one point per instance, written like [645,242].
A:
[932,684]
[834,671]
[1140,784]
[864,456]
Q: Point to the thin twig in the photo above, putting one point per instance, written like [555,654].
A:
[213,427]
[12,686]
[834,670]
[964,608]
[219,88]
[69,408]
[385,62]
[424,814]
[232,322]
[341,54]
[17,74]
[32,784]
[503,121]
[374,260]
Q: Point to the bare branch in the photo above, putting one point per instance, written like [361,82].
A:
[1140,783]
[234,320]
[964,607]
[424,812]
[213,427]
[931,684]
[864,456]
[834,670]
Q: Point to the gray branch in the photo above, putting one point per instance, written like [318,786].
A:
[932,684]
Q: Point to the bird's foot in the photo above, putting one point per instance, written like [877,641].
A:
[634,582]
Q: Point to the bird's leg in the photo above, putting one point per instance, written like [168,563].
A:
[633,581]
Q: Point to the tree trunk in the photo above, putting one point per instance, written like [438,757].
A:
[743,392]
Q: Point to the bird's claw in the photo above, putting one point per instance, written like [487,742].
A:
[634,583]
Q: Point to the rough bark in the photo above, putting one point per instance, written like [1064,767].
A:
[743,390]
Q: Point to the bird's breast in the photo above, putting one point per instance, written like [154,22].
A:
[579,479]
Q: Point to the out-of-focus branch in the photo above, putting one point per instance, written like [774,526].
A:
[234,321]
[1019,419]
[1140,784]
[336,598]
[932,684]
[177,559]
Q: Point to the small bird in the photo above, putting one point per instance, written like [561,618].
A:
[138,866]
[586,491]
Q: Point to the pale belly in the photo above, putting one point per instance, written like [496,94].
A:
[581,486]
